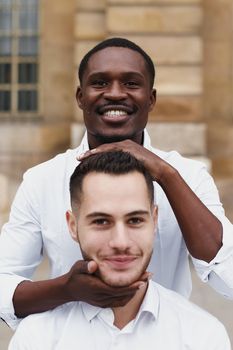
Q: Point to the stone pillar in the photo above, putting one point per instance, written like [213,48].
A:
[218,83]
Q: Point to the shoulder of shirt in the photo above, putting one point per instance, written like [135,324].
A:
[176,159]
[184,308]
[188,168]
[48,319]
[52,165]
[44,328]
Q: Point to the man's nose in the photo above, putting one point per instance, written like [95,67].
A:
[119,238]
[115,91]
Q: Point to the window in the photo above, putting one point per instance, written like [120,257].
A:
[19,69]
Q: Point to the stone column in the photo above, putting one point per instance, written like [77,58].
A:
[218,83]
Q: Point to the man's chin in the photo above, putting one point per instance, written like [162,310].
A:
[103,138]
[118,281]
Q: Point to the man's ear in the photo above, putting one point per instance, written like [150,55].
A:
[72,225]
[152,99]
[79,96]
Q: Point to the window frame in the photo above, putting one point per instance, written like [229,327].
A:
[15,59]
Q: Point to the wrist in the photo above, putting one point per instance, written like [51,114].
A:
[60,285]
[165,175]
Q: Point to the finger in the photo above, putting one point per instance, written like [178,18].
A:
[138,284]
[125,291]
[82,266]
[118,302]
[87,154]
[146,276]
[92,266]
[115,146]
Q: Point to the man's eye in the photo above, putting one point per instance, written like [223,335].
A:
[100,222]
[132,84]
[99,83]
[135,221]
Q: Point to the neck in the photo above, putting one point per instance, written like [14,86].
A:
[95,141]
[124,314]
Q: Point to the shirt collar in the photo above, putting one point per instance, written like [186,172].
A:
[150,302]
[150,305]
[83,147]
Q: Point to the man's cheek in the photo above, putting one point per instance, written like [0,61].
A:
[87,251]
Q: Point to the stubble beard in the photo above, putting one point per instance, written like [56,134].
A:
[120,281]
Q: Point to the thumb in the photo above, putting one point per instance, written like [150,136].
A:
[92,266]
[83,266]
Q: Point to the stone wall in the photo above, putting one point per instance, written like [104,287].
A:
[218,84]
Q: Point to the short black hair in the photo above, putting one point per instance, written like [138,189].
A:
[118,42]
[113,163]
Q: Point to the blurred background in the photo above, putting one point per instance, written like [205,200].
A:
[191,43]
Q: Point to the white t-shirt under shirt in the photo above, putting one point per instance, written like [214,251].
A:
[165,321]
[37,224]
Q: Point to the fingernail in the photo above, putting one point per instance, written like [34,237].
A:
[150,275]
[141,285]
[81,156]
[93,150]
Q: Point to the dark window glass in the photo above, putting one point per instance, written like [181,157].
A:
[5,101]
[27,73]
[28,46]
[5,46]
[27,100]
[5,73]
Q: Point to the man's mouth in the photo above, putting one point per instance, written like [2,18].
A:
[116,110]
[114,113]
[121,262]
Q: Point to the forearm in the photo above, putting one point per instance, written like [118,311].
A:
[201,230]
[79,284]
[34,297]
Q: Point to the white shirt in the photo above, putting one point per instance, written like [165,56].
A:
[165,321]
[37,224]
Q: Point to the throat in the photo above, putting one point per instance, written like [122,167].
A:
[98,139]
[125,314]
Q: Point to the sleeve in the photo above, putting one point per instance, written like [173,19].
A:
[218,272]
[20,248]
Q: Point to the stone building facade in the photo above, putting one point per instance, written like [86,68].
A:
[190,42]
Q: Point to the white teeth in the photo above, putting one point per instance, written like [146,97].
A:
[115,113]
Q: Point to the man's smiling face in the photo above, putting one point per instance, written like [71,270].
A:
[115,96]
[115,225]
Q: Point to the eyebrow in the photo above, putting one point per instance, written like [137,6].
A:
[138,212]
[135,212]
[97,213]
[96,74]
